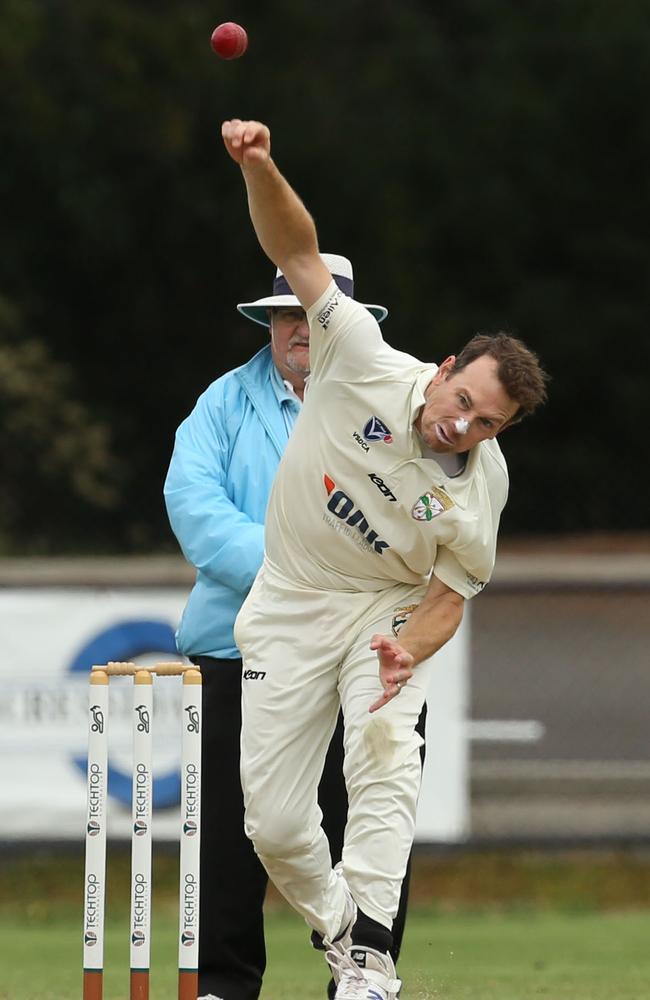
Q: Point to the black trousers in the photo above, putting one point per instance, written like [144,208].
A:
[232,954]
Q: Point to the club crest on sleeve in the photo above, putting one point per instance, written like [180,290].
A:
[401,617]
[376,430]
[431,504]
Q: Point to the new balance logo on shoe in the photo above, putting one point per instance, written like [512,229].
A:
[363,973]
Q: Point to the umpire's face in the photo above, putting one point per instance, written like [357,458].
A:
[465,407]
[290,343]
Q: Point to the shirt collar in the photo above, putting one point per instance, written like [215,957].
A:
[283,390]
[418,399]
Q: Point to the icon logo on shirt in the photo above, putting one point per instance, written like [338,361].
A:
[376,430]
[431,504]
[401,617]
[381,486]
[343,507]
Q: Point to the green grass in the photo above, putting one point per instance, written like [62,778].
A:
[489,956]
[504,926]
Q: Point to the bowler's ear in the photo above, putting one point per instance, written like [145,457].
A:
[444,370]
[510,422]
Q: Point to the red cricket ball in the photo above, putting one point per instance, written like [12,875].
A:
[229,40]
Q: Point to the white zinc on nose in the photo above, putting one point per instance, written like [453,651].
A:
[461,425]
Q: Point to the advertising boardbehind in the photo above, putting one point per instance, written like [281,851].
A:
[50,639]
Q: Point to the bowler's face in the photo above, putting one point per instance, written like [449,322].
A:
[290,342]
[464,408]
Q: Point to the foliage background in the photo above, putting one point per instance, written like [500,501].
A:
[484,163]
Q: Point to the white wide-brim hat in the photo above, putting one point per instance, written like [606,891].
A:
[341,270]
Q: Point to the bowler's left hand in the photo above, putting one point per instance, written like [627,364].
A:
[395,668]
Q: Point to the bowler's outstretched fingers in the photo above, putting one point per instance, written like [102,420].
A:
[395,668]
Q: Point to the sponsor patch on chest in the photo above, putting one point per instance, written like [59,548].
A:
[350,519]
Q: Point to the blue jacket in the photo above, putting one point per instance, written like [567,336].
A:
[225,458]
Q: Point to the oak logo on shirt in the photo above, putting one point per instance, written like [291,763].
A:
[431,504]
[343,507]
[376,430]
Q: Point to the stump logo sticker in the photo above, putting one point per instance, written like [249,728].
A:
[192,719]
[98,719]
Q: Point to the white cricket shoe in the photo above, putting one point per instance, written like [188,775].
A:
[209,996]
[364,974]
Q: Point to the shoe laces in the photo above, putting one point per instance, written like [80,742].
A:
[351,979]
[352,982]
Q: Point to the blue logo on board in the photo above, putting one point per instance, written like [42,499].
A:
[126,641]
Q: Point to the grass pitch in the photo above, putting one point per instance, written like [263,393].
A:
[488,956]
[503,927]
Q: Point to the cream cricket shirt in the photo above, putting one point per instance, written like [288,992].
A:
[355,506]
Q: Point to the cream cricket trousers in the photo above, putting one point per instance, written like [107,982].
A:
[306,652]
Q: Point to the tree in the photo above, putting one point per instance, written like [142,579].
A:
[484,165]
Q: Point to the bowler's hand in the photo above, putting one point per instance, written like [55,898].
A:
[249,143]
[395,668]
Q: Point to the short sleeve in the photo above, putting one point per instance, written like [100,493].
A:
[449,570]
[344,338]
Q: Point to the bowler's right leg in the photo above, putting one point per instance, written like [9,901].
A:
[289,710]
